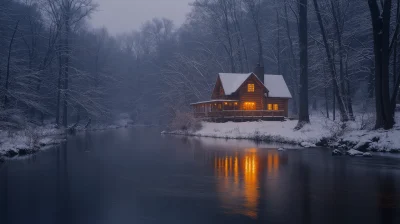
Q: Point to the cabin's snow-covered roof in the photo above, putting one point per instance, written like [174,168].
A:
[275,84]
[232,81]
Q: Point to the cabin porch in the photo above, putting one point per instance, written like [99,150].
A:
[233,110]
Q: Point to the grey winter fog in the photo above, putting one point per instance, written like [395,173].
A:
[199,111]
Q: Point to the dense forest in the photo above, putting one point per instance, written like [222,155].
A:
[340,58]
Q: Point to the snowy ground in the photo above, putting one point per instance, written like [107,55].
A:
[375,140]
[356,135]
[274,131]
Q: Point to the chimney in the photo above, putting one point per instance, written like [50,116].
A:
[259,72]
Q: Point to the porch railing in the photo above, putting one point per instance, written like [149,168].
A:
[241,114]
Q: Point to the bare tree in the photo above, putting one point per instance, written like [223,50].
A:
[68,13]
[339,96]
[254,7]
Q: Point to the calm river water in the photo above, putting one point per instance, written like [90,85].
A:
[139,176]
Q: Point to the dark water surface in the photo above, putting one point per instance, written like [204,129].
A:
[138,176]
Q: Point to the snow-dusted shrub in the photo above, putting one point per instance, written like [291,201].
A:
[336,128]
[366,121]
[185,121]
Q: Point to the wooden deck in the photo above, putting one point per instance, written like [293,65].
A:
[241,115]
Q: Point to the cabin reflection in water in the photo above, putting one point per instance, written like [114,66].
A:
[240,178]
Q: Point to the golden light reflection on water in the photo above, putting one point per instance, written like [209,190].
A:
[238,179]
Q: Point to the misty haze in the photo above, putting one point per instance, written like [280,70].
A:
[199,111]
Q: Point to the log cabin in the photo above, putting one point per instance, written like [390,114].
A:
[244,97]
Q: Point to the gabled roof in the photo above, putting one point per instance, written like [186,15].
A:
[232,81]
[275,84]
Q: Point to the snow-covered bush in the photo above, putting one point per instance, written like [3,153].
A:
[366,121]
[336,128]
[184,121]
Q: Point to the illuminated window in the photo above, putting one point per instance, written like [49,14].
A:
[250,88]
[225,103]
[249,106]
[273,107]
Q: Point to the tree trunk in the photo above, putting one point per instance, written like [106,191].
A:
[326,102]
[242,45]
[343,91]
[228,34]
[349,100]
[66,68]
[381,32]
[394,65]
[371,82]
[278,43]
[303,42]
[334,102]
[8,65]
[60,73]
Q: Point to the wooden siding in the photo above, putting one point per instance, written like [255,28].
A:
[218,92]
[283,104]
[257,96]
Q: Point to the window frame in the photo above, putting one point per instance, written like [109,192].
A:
[251,87]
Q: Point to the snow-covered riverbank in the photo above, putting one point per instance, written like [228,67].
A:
[322,132]
[29,141]
[37,138]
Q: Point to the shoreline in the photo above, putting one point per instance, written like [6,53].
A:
[343,138]
[344,147]
[265,139]
[20,145]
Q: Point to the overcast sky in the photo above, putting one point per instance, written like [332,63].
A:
[126,15]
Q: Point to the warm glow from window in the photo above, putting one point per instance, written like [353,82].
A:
[249,106]
[250,88]
[226,103]
[273,107]
[236,103]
